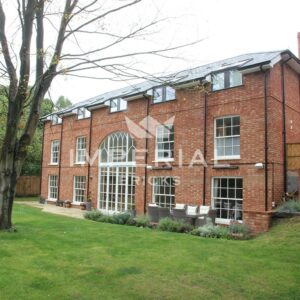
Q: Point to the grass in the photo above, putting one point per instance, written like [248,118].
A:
[56,257]
[27,198]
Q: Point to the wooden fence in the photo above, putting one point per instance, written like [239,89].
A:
[28,186]
[293,159]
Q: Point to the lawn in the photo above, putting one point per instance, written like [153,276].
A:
[55,257]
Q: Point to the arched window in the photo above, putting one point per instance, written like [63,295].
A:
[117,173]
[117,148]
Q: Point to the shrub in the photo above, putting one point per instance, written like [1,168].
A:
[240,229]
[290,206]
[142,221]
[94,215]
[209,230]
[121,219]
[167,224]
[106,219]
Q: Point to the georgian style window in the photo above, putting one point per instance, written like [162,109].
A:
[228,199]
[165,143]
[118,104]
[54,152]
[81,149]
[52,187]
[163,94]
[79,193]
[164,191]
[83,113]
[226,79]
[227,138]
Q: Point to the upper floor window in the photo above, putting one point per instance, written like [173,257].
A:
[56,119]
[54,152]
[80,149]
[226,79]
[165,143]
[164,93]
[118,105]
[227,138]
[83,113]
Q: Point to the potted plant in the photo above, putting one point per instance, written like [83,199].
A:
[67,204]
[82,205]
[88,203]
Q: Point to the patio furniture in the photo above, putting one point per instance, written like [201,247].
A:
[152,212]
[188,213]
[164,212]
[205,212]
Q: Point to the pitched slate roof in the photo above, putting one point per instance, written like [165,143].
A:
[242,62]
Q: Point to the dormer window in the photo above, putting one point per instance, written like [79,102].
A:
[226,79]
[83,113]
[163,94]
[118,104]
[56,120]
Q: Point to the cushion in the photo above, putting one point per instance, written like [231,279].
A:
[191,210]
[204,210]
[179,206]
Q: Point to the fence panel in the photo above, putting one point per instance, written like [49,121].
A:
[28,186]
[293,153]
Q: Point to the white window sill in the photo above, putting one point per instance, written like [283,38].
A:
[226,221]
[80,163]
[51,200]
[53,164]
[163,160]
[226,158]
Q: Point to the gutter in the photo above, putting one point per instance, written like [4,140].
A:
[266,137]
[204,147]
[89,165]
[43,144]
[284,125]
[59,164]
[146,154]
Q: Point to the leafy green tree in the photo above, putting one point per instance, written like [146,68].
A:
[62,102]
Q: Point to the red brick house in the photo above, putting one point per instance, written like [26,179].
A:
[238,114]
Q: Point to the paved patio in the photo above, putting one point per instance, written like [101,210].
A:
[53,209]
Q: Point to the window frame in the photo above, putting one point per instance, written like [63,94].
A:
[226,79]
[225,157]
[51,154]
[164,94]
[164,159]
[171,204]
[118,106]
[75,189]
[49,187]
[80,149]
[213,199]
[85,113]
[56,120]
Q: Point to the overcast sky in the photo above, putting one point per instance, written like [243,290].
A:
[228,27]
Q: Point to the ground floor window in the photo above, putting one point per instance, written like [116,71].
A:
[228,198]
[79,193]
[117,188]
[52,187]
[164,191]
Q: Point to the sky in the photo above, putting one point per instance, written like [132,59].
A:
[226,28]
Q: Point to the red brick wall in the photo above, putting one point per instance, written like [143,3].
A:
[246,101]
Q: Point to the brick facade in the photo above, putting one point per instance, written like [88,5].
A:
[246,101]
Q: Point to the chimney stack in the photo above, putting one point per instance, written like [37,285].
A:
[299,45]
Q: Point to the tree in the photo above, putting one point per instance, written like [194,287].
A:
[62,102]
[71,20]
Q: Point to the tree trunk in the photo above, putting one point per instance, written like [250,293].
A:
[8,182]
